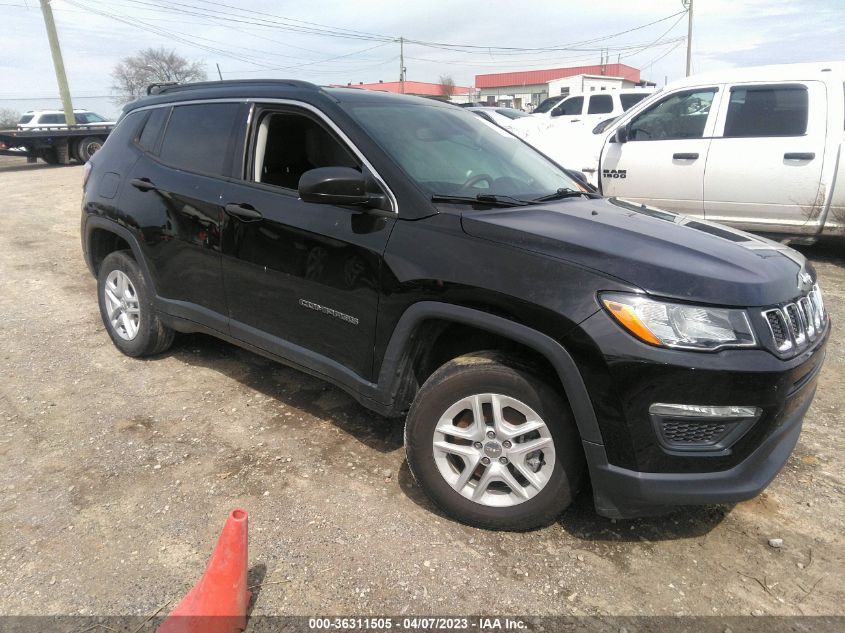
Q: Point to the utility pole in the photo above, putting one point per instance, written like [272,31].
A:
[58,64]
[688,5]
[219,74]
[402,63]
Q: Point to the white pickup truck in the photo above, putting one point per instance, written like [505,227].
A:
[756,148]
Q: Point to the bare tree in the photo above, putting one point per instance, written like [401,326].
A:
[447,86]
[152,65]
[8,118]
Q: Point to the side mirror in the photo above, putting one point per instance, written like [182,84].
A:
[621,135]
[333,185]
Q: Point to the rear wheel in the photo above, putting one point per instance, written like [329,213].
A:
[86,148]
[493,445]
[126,307]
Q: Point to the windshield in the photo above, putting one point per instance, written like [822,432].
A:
[449,151]
[88,117]
[511,114]
[546,105]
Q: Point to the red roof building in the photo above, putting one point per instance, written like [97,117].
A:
[418,88]
[535,77]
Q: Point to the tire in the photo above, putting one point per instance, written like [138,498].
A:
[49,156]
[86,148]
[495,382]
[137,329]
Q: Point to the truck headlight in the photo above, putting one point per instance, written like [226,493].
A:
[679,325]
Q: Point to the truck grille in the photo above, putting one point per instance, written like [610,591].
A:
[797,323]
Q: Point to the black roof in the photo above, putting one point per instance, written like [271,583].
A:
[266,88]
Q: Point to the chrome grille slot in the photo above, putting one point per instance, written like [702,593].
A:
[778,327]
[809,321]
[796,325]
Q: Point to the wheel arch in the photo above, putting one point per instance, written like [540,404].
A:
[411,342]
[103,236]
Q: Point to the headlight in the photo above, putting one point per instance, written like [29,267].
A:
[679,325]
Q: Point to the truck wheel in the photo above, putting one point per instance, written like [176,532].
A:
[492,445]
[86,148]
[49,156]
[126,306]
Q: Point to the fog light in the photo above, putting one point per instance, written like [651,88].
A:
[700,411]
[702,429]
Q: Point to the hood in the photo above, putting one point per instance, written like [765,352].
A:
[662,253]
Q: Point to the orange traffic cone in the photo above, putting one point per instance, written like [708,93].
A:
[217,603]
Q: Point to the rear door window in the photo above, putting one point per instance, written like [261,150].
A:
[600,104]
[779,110]
[200,137]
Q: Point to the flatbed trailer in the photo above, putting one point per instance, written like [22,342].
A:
[56,146]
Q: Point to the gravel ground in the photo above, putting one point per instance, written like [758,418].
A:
[117,474]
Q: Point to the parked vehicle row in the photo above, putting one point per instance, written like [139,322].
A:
[436,267]
[758,149]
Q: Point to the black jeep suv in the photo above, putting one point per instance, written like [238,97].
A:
[435,266]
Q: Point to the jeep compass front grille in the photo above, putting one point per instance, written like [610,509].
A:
[795,324]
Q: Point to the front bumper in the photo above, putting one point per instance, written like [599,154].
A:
[632,474]
[622,493]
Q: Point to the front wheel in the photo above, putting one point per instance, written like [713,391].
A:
[493,445]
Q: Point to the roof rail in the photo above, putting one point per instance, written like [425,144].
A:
[161,88]
[154,89]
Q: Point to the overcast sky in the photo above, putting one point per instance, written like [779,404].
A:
[726,33]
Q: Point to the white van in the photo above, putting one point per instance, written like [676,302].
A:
[756,148]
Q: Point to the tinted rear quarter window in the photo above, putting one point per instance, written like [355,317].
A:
[26,118]
[600,104]
[198,137]
[629,101]
[152,128]
[767,111]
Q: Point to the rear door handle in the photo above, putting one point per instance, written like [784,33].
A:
[799,156]
[685,156]
[243,211]
[143,184]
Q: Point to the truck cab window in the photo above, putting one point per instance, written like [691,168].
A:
[681,115]
[569,107]
[767,111]
[288,144]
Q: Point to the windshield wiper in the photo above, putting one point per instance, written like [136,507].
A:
[566,192]
[483,198]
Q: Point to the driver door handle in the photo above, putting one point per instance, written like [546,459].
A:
[243,211]
[685,156]
[799,156]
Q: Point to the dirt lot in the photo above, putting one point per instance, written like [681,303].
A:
[117,474]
